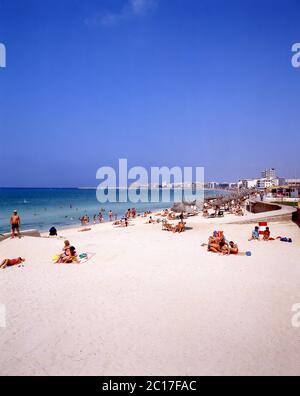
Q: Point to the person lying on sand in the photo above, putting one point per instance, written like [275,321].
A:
[214,248]
[179,228]
[167,226]
[218,245]
[11,262]
[121,223]
[171,216]
[233,248]
[255,234]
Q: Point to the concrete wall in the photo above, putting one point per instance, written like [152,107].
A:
[262,207]
[296,216]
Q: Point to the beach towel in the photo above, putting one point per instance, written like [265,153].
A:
[80,259]
[289,240]
[85,257]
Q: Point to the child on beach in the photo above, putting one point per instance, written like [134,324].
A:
[255,234]
[267,234]
[11,262]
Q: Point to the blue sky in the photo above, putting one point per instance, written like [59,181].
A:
[160,82]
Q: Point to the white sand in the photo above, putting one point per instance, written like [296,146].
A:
[152,303]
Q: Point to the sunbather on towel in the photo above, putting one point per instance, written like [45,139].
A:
[11,262]
[69,257]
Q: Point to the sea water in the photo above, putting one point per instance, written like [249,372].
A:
[43,208]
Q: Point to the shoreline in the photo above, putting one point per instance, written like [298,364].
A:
[50,212]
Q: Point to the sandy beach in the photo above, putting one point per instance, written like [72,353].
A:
[152,303]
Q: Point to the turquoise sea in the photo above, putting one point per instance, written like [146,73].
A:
[44,208]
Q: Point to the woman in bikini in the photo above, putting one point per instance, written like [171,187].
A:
[71,257]
[11,262]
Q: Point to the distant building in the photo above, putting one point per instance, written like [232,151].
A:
[292,182]
[264,183]
[224,185]
[286,192]
[212,185]
[269,174]
[248,183]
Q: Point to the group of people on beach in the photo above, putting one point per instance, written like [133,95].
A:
[234,207]
[98,219]
[256,235]
[217,243]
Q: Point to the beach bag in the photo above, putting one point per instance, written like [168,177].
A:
[289,240]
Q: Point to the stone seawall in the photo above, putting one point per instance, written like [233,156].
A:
[262,207]
[296,216]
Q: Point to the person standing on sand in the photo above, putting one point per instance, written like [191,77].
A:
[15,222]
[110,215]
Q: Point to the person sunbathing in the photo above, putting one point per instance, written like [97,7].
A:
[11,262]
[71,257]
[167,226]
[172,216]
[255,234]
[121,223]
[233,248]
[180,227]
[214,247]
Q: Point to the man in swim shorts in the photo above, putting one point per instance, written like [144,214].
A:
[15,222]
